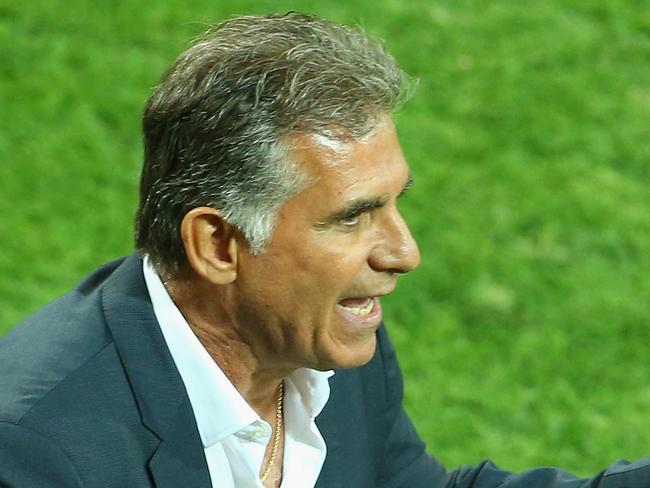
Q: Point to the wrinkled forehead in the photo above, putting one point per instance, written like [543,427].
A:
[336,146]
[351,167]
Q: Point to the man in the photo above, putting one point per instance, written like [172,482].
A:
[242,345]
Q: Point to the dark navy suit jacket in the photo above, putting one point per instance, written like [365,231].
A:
[90,397]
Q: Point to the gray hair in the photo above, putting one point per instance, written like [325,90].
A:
[217,127]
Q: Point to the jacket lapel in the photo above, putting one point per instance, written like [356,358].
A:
[158,389]
[176,463]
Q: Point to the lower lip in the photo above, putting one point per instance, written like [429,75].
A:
[371,320]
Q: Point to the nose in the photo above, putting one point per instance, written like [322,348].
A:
[396,250]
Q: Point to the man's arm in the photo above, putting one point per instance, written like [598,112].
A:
[619,475]
[407,465]
[27,460]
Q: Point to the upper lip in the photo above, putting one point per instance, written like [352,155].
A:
[381,293]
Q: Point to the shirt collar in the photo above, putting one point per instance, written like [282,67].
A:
[218,407]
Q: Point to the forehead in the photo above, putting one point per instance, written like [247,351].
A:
[342,165]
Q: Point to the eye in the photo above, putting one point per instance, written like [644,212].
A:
[350,221]
[356,221]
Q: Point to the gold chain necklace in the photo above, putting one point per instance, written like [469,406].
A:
[279,418]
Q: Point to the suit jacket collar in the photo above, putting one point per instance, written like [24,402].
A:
[158,389]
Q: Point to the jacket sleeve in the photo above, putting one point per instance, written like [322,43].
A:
[28,460]
[407,465]
[486,475]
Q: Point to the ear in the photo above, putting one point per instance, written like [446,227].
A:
[210,245]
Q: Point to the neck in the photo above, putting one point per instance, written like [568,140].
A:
[257,379]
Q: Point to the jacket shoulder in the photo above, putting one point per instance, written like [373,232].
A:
[41,352]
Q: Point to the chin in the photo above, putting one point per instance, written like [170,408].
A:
[352,357]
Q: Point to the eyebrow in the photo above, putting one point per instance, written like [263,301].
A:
[361,205]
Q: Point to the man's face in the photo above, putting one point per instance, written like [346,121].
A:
[311,299]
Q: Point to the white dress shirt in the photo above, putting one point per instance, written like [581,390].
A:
[234,436]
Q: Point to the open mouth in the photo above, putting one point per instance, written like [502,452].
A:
[360,307]
[364,312]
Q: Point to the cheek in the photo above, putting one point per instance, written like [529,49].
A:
[289,284]
[315,272]
[330,270]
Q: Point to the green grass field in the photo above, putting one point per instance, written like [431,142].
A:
[524,336]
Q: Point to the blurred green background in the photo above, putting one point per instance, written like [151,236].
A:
[524,335]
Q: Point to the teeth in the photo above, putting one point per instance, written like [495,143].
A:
[361,311]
